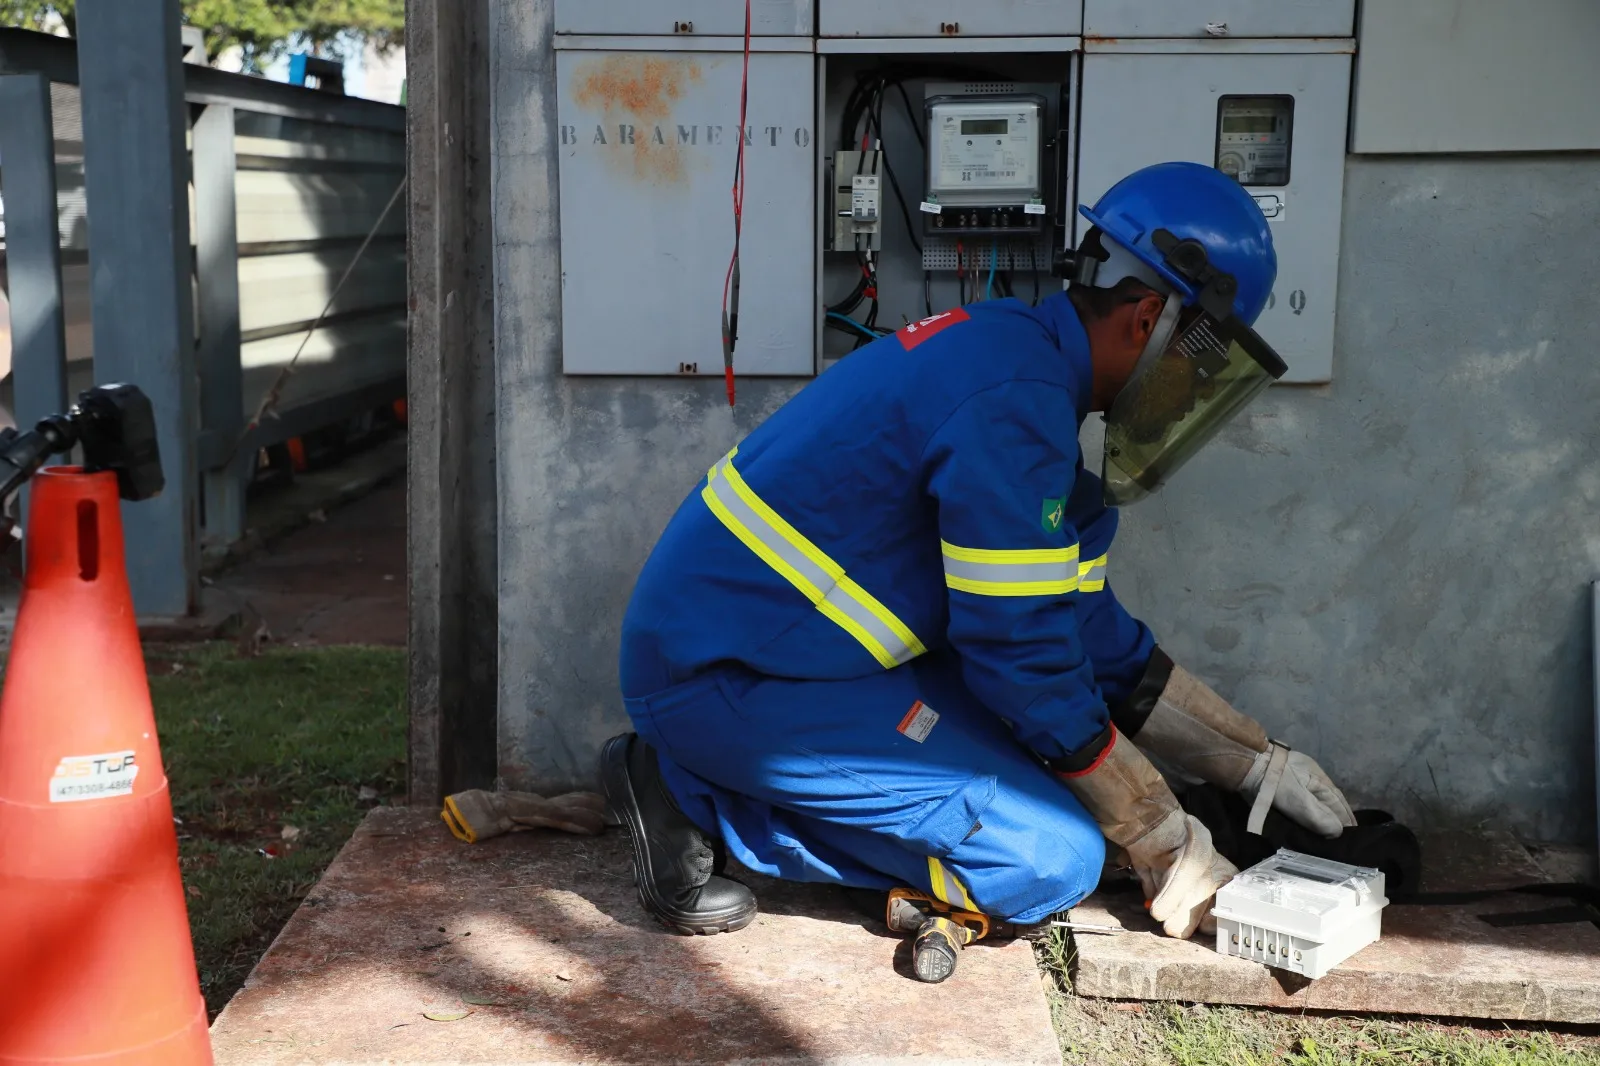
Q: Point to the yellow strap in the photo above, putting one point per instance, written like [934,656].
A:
[459,827]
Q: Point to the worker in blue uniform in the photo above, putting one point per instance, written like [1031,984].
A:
[877,647]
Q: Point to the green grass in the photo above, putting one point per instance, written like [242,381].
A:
[254,745]
[1169,1034]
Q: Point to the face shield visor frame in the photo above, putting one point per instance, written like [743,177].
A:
[1201,367]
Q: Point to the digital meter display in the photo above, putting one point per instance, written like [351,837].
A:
[1255,138]
[985,126]
[1250,124]
[986,150]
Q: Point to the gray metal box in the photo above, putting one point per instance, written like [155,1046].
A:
[1477,76]
[1131,118]
[648,144]
[949,18]
[768,18]
[1218,18]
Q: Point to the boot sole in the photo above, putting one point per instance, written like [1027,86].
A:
[622,808]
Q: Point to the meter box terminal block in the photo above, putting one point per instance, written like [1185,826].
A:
[986,163]
[1300,913]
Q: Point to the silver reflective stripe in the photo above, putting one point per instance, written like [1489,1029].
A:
[803,565]
[1011,572]
[1092,575]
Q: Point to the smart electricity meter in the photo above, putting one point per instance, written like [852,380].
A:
[1254,135]
[985,163]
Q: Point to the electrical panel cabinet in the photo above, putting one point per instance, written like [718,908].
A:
[949,18]
[768,18]
[1218,18]
[1276,122]
[648,143]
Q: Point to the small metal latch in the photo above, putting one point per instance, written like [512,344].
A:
[950,29]
[683,27]
[1216,29]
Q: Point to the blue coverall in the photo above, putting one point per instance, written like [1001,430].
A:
[865,634]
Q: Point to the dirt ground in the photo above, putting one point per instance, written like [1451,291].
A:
[338,579]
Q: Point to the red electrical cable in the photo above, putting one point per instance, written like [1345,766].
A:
[730,283]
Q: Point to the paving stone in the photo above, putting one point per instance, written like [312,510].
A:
[1443,961]
[542,939]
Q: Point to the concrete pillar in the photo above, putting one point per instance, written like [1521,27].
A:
[451,401]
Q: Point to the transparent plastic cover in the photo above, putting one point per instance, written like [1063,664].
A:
[1304,883]
[1177,403]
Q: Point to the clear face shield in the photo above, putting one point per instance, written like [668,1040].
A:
[1196,374]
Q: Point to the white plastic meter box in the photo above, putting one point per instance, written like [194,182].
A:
[985,163]
[1300,913]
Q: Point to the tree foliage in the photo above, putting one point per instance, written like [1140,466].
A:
[262,29]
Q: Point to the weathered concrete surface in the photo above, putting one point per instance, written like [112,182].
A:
[542,938]
[1433,960]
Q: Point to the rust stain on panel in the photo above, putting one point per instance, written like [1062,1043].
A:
[636,95]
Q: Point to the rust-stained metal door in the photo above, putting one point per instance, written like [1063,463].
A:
[648,141]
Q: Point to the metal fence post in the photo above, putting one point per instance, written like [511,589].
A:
[136,171]
[32,249]
[217,277]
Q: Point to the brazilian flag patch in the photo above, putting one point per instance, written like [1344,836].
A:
[1051,514]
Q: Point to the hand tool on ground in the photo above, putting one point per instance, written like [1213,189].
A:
[939,931]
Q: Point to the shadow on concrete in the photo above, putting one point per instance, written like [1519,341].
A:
[542,938]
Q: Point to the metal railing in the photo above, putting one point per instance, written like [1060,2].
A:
[286,185]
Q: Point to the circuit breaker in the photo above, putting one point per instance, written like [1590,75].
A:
[1272,115]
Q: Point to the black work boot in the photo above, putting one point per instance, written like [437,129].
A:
[673,861]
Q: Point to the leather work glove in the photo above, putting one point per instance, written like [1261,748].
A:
[1170,851]
[1198,732]
[478,814]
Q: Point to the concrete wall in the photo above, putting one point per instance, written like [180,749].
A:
[1392,571]
[1389,571]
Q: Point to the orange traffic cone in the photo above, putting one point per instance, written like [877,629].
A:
[96,965]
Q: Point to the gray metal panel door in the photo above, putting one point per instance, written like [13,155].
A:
[1478,76]
[1234,18]
[648,146]
[932,18]
[768,18]
[1131,118]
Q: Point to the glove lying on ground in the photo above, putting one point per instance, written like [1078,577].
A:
[478,814]
[1170,851]
[1197,731]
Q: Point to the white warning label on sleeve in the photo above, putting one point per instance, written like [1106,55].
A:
[92,777]
[919,721]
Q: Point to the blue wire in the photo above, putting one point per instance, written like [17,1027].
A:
[847,319]
[994,257]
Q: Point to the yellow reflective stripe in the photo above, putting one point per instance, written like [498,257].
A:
[947,887]
[844,582]
[807,568]
[1092,575]
[1011,572]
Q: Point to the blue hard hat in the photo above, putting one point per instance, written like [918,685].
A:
[1192,201]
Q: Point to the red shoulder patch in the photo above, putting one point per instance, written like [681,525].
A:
[917,332]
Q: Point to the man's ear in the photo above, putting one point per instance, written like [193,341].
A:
[1146,313]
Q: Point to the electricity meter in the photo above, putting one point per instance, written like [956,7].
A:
[985,164]
[1254,135]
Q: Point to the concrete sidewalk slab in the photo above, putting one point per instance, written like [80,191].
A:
[1441,961]
[542,939]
